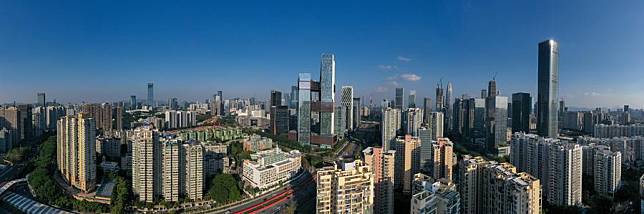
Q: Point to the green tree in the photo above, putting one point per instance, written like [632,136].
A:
[224,189]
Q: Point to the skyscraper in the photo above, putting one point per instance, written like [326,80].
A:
[548,86]
[427,109]
[400,98]
[133,104]
[521,108]
[346,101]
[146,164]
[304,109]
[442,159]
[497,122]
[220,95]
[345,188]
[491,88]
[76,151]
[357,117]
[412,99]
[276,98]
[327,95]
[41,99]
[382,165]
[440,98]
[436,125]
[390,124]
[412,121]
[407,161]
[449,120]
[151,95]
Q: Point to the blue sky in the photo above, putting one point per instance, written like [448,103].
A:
[107,50]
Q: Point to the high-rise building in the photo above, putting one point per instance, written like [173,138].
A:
[497,122]
[146,164]
[102,113]
[431,196]
[118,117]
[382,164]
[348,188]
[491,89]
[412,121]
[171,171]
[556,161]
[442,159]
[440,99]
[10,119]
[26,121]
[220,100]
[76,151]
[389,126]
[478,114]
[458,116]
[6,139]
[483,94]
[436,122]
[279,120]
[426,146]
[357,116]
[427,109]
[327,95]
[346,101]
[41,99]
[521,108]
[304,109]
[412,99]
[400,98]
[294,96]
[340,122]
[150,100]
[548,87]
[407,161]
[133,103]
[492,187]
[606,169]
[448,107]
[276,98]
[193,165]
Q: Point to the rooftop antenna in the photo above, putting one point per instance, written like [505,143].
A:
[494,76]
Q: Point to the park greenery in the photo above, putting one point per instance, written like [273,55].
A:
[224,189]
[45,187]
[120,195]
[237,150]
[17,154]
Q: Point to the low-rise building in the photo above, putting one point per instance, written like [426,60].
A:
[271,167]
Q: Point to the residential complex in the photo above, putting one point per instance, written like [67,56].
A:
[345,188]
[76,151]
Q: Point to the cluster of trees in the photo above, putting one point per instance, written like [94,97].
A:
[46,188]
[120,195]
[224,189]
[17,154]
[237,150]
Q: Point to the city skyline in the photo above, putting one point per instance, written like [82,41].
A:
[418,46]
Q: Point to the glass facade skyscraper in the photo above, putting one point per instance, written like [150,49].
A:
[304,109]
[521,108]
[327,94]
[150,94]
[400,100]
[548,84]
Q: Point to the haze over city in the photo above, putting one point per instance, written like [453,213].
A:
[105,51]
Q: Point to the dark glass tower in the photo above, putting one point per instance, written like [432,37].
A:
[150,94]
[548,84]
[400,100]
[521,108]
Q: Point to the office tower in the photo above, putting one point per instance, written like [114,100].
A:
[483,94]
[448,107]
[476,107]
[146,162]
[26,121]
[458,114]
[41,99]
[382,164]
[304,109]
[434,196]
[150,100]
[271,167]
[440,98]
[407,161]
[194,170]
[76,151]
[427,109]
[133,104]
[436,122]
[491,187]
[216,105]
[52,116]
[340,122]
[491,88]
[389,126]
[412,99]
[10,119]
[171,176]
[276,98]
[102,114]
[357,117]
[279,120]
[173,103]
[220,95]
[442,159]
[548,86]
[118,116]
[521,108]
[293,102]
[400,98]
[561,114]
[6,139]
[426,142]
[413,120]
[555,161]
[347,188]
[327,95]
[497,122]
[346,101]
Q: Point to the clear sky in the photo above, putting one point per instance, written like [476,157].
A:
[97,51]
